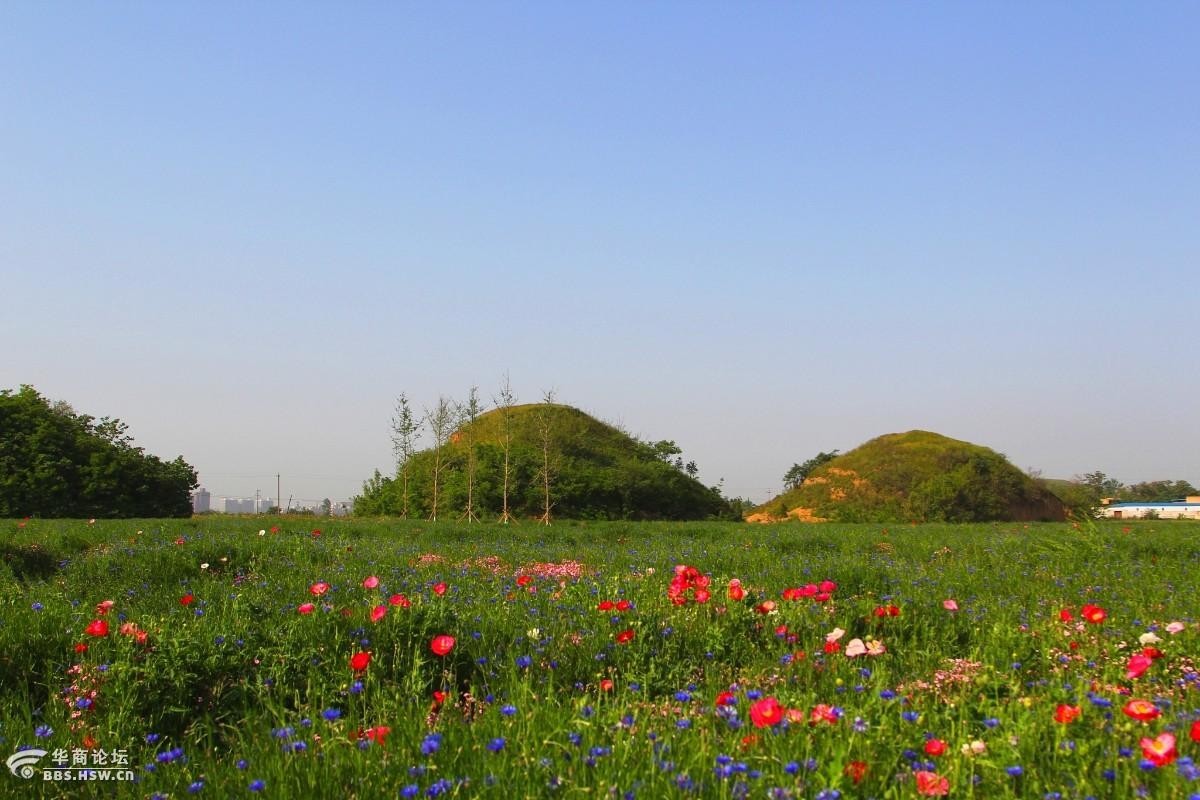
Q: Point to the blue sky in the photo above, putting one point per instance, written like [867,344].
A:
[759,230]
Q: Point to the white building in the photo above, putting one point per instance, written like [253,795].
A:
[1187,508]
[201,500]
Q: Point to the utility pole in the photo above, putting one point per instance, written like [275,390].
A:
[257,495]
[278,493]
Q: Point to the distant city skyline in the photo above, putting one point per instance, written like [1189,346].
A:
[760,230]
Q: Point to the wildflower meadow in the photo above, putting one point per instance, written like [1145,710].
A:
[307,658]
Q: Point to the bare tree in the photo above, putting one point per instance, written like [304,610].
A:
[406,430]
[441,421]
[504,404]
[468,412]
[545,432]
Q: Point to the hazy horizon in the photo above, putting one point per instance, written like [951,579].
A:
[760,231]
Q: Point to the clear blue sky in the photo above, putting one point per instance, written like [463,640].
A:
[761,230]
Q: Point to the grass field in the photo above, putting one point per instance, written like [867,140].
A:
[225,657]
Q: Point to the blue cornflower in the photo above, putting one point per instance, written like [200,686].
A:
[496,745]
[508,709]
[438,787]
[828,794]
[683,724]
[356,687]
[860,725]
[37,606]
[331,714]
[753,694]
[1015,770]
[431,743]
[991,722]
[683,696]
[257,786]
[524,661]
[152,738]
[43,731]
[575,738]
[242,764]
[84,703]
[792,767]
[910,716]
[196,786]
[887,694]
[410,791]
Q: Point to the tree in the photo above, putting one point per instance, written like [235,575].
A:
[504,405]
[406,430]
[798,472]
[545,434]
[57,463]
[467,414]
[441,423]
[326,507]
[1101,485]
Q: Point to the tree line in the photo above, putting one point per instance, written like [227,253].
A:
[55,462]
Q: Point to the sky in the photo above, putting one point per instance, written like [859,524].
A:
[760,230]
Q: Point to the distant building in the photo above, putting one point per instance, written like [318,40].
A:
[201,501]
[239,505]
[1187,508]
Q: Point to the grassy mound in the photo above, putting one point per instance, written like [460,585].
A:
[915,476]
[597,472]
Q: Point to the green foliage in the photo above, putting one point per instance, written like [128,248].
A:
[597,472]
[918,476]
[236,677]
[798,472]
[56,463]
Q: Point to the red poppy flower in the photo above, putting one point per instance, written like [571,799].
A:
[187,600]
[828,587]
[442,645]
[605,605]
[1160,750]
[822,712]
[606,685]
[399,600]
[376,734]
[766,712]
[1141,710]
[832,647]
[1065,714]
[378,613]
[319,588]
[316,533]
[935,747]
[930,784]
[726,699]
[1065,615]
[624,605]
[856,771]
[305,608]
[736,592]
[523,580]
[97,628]
[765,607]
[370,582]
[1194,733]
[439,697]
[701,595]
[359,661]
[1138,664]
[103,606]
[1093,614]
[1152,652]
[80,648]
[625,636]
[439,589]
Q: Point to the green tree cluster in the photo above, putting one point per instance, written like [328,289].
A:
[1083,494]
[57,463]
